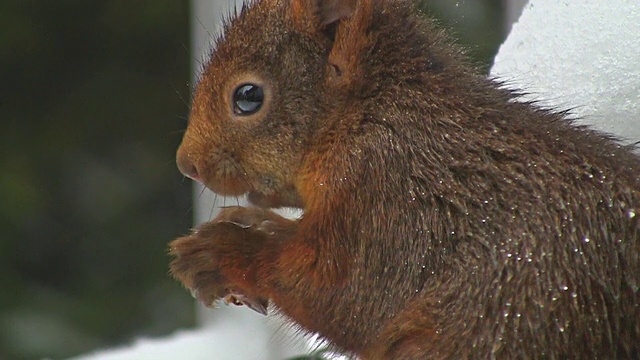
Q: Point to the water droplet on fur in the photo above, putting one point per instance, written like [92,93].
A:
[561,328]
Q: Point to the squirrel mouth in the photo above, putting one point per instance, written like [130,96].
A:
[227,188]
[275,200]
[265,197]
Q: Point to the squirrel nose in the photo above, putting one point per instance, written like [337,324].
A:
[187,166]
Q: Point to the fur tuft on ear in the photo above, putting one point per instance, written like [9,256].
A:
[348,22]
[330,11]
[352,37]
[315,14]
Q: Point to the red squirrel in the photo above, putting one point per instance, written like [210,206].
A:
[442,218]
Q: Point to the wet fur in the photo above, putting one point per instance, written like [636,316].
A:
[442,218]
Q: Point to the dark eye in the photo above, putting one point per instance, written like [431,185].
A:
[247,99]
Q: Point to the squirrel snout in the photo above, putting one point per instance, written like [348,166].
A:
[186,166]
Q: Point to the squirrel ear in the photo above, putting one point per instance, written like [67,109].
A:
[330,11]
[313,15]
[352,36]
[348,22]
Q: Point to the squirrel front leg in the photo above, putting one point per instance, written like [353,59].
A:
[232,256]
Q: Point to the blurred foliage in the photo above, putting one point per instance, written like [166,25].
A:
[475,24]
[92,108]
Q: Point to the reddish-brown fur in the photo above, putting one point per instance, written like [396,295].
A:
[442,219]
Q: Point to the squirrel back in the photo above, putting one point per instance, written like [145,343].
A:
[442,217]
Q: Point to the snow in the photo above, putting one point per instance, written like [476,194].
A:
[262,338]
[579,55]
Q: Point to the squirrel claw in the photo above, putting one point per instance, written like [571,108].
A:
[238,224]
[257,305]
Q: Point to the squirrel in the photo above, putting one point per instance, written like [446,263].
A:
[442,218]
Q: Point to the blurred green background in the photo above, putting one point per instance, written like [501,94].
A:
[93,101]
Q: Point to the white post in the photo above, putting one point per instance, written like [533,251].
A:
[206,19]
[513,10]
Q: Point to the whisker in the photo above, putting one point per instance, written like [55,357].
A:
[201,193]
[206,54]
[190,210]
[177,132]
[187,48]
[244,176]
[213,209]
[180,96]
[197,61]
[206,30]
[224,184]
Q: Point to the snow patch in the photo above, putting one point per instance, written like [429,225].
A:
[578,55]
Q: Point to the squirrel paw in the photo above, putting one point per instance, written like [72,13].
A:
[215,262]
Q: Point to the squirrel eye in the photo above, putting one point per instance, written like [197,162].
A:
[247,99]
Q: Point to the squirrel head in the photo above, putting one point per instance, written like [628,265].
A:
[263,92]
[289,78]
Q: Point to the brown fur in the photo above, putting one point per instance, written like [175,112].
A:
[442,219]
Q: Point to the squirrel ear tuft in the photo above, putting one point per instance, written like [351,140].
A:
[351,38]
[348,22]
[313,15]
[330,11]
